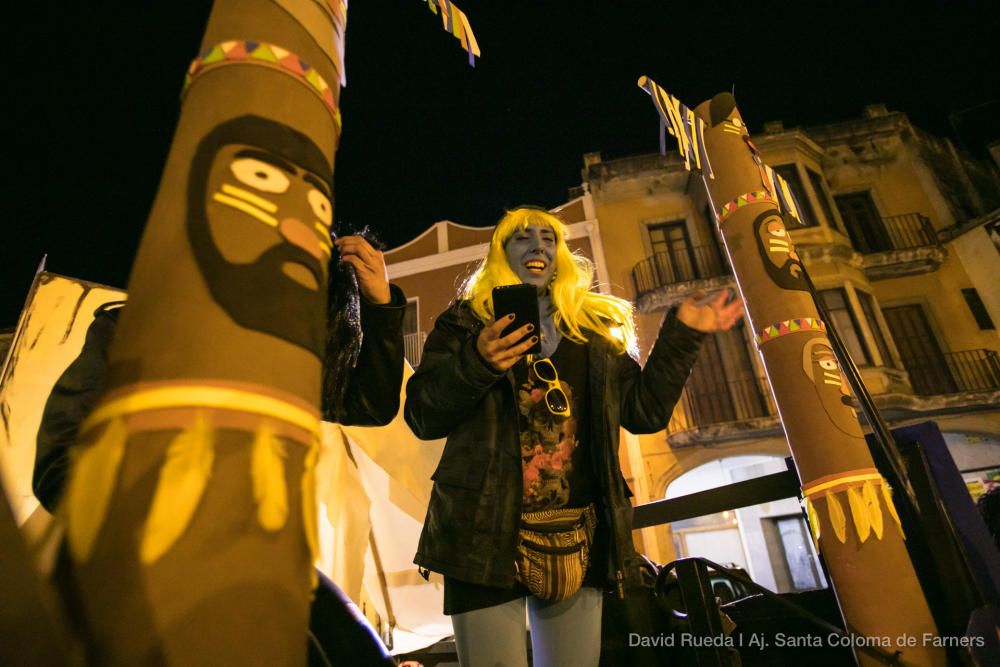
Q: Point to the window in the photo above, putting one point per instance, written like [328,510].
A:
[843,319]
[413,339]
[919,350]
[864,225]
[978,309]
[673,256]
[824,201]
[410,316]
[868,308]
[717,242]
[791,553]
[790,173]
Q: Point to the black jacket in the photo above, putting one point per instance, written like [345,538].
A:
[371,399]
[471,528]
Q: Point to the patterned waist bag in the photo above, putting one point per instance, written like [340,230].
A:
[553,550]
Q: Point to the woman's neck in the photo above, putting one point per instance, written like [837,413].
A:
[550,334]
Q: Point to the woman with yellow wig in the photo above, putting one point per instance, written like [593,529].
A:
[529,508]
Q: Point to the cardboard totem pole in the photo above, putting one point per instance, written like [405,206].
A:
[190,512]
[849,504]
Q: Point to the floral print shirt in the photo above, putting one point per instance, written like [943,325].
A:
[555,457]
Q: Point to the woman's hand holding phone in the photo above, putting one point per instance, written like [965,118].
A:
[502,352]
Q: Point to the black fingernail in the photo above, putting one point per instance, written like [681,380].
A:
[511,316]
[534,339]
[531,327]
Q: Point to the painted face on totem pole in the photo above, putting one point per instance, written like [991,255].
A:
[821,367]
[780,259]
[259,215]
[531,254]
[734,126]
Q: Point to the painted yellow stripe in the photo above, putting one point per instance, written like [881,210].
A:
[247,208]
[260,202]
[201,396]
[321,228]
[819,488]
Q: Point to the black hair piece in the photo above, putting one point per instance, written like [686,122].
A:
[343,326]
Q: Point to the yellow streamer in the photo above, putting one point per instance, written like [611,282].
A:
[874,510]
[814,526]
[887,496]
[267,469]
[310,520]
[92,483]
[859,513]
[837,518]
[182,482]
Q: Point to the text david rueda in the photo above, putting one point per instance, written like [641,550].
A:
[761,641]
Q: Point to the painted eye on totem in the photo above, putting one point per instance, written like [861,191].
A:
[259,175]
[828,364]
[776,229]
[320,206]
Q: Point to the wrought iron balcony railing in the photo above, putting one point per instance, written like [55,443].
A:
[678,266]
[956,372]
[901,232]
[413,347]
[708,404]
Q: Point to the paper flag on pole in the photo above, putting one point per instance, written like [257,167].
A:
[782,193]
[453,20]
[683,124]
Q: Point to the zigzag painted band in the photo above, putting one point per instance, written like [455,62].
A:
[788,327]
[150,396]
[249,52]
[755,197]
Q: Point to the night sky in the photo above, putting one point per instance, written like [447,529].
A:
[92,101]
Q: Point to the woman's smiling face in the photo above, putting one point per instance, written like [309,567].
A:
[531,254]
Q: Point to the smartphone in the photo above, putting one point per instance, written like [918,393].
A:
[522,300]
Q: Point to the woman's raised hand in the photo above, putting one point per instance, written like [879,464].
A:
[712,315]
[502,352]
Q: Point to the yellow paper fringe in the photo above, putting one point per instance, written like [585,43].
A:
[874,510]
[92,483]
[837,518]
[814,527]
[182,482]
[887,497]
[866,513]
[309,509]
[267,469]
[859,513]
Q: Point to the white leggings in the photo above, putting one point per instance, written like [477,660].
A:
[562,633]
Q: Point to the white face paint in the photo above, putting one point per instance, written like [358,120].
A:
[531,254]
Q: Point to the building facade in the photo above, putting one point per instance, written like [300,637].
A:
[900,237]
[896,238]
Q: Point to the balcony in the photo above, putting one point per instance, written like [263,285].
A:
[413,347]
[958,372]
[898,245]
[667,277]
[723,411]
[942,384]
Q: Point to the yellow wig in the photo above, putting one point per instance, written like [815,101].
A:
[577,308]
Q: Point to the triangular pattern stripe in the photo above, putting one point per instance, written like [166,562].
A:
[250,52]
